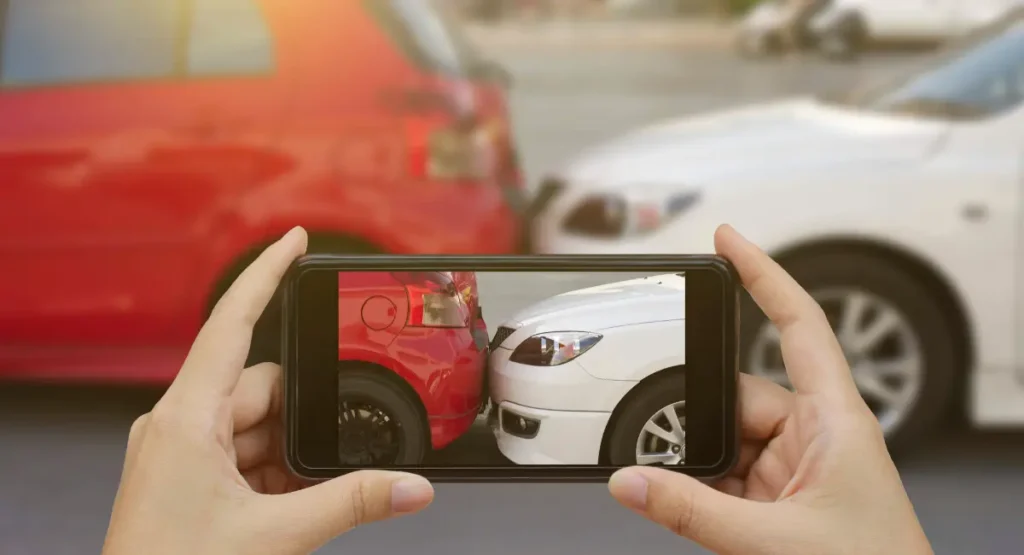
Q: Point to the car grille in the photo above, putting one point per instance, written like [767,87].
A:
[500,336]
[549,190]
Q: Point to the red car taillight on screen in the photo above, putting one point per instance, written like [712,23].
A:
[434,301]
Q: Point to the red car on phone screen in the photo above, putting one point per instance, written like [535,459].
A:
[412,356]
[150,149]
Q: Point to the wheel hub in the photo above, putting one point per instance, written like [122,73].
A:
[367,435]
[663,438]
[879,344]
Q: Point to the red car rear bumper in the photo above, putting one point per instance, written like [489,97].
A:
[467,380]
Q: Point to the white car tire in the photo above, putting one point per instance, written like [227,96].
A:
[896,291]
[637,408]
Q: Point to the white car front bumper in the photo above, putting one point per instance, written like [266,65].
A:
[565,408]
[557,438]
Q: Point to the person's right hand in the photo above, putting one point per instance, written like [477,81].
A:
[814,476]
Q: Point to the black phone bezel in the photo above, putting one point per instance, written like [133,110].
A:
[542,263]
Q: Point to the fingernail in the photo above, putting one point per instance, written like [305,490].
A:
[292,233]
[410,494]
[630,488]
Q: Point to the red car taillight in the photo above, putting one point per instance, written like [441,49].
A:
[434,301]
[464,150]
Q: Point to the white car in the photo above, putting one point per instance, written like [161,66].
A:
[899,209]
[594,375]
[925,20]
[842,26]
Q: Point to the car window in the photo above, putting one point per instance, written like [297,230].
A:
[985,81]
[48,42]
[980,81]
[229,37]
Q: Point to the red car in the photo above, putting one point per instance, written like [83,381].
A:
[149,149]
[412,352]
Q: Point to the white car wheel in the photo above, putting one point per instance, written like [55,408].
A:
[663,438]
[904,351]
[649,426]
[884,353]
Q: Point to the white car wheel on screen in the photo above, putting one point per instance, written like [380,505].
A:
[649,426]
[897,336]
[884,353]
[663,438]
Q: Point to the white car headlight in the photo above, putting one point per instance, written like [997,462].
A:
[612,216]
[554,348]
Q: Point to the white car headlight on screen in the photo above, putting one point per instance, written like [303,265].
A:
[614,216]
[554,348]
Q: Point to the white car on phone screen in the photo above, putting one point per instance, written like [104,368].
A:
[594,375]
[900,209]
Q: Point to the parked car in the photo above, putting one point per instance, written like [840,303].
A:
[899,209]
[842,28]
[150,149]
[411,365]
[826,27]
[601,393]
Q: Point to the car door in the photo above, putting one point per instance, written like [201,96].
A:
[126,122]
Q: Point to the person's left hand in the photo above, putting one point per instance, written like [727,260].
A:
[204,472]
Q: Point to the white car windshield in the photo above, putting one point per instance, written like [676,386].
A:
[976,82]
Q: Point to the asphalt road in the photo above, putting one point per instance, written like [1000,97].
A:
[61,448]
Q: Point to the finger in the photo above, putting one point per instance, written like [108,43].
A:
[272,479]
[316,515]
[749,453]
[717,521]
[257,445]
[812,355]
[257,396]
[135,435]
[764,408]
[731,486]
[215,362]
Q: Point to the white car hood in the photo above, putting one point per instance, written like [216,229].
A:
[751,141]
[652,299]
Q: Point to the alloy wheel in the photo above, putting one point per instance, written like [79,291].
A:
[880,345]
[663,438]
[367,434]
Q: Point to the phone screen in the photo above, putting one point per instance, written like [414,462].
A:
[458,368]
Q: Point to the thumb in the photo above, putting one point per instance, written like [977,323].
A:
[698,512]
[311,517]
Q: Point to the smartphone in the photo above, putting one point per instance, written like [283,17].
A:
[536,368]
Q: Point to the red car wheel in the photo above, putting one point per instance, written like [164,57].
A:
[379,424]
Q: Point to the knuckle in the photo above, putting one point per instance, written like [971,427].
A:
[138,427]
[686,520]
[359,504]
[163,421]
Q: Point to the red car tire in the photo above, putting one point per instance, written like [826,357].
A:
[380,423]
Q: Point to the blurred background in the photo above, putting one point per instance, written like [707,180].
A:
[873,147]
